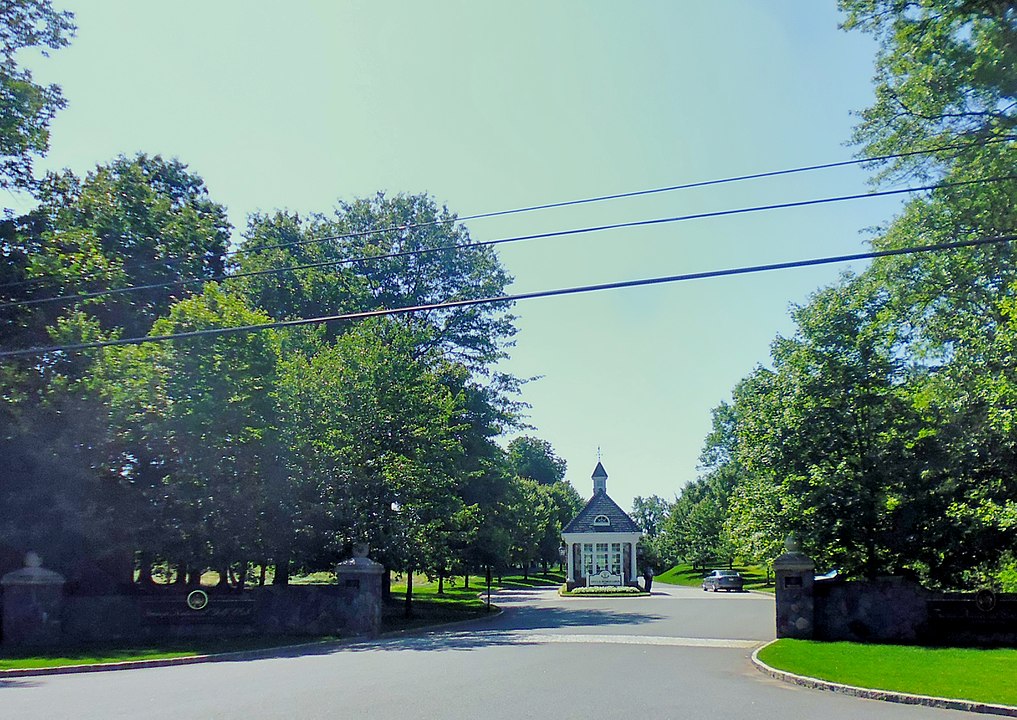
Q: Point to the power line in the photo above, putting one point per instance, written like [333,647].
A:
[491,243]
[638,193]
[603,198]
[994,240]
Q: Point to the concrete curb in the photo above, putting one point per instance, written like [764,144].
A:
[238,655]
[884,695]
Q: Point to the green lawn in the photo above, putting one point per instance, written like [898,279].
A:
[967,674]
[11,659]
[457,602]
[755,576]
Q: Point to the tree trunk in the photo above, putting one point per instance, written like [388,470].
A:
[261,574]
[282,573]
[386,585]
[526,571]
[181,578]
[408,606]
[441,583]
[145,570]
[224,577]
[466,580]
[194,577]
[242,576]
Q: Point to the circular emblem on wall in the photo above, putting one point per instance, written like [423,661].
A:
[985,600]
[197,599]
[605,574]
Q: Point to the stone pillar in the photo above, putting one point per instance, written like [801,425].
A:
[795,575]
[33,602]
[362,577]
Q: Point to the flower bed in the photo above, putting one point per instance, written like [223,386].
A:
[602,590]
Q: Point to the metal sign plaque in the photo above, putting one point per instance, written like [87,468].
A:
[197,608]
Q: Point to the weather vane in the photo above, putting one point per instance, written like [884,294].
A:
[598,453]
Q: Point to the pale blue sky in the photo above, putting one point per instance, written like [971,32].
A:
[495,105]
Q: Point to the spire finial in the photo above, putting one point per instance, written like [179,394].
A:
[598,453]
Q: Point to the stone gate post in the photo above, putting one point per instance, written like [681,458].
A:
[795,575]
[361,578]
[33,603]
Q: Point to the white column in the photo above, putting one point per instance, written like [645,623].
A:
[635,570]
[570,559]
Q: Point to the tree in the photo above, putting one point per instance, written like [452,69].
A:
[565,503]
[532,514]
[139,221]
[656,547]
[131,218]
[26,108]
[944,76]
[197,428]
[533,458]
[420,259]
[695,524]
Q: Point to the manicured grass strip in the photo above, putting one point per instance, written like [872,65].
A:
[109,653]
[961,673]
[755,576]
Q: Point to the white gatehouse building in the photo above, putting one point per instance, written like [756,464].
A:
[600,542]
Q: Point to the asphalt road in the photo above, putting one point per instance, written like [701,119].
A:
[679,654]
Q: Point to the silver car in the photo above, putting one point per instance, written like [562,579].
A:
[723,580]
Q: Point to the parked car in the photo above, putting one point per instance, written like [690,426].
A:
[723,580]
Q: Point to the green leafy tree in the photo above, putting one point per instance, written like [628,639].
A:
[414,233]
[565,503]
[27,108]
[532,513]
[944,75]
[533,458]
[656,548]
[136,222]
[650,514]
[198,423]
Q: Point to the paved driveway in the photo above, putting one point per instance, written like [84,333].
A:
[679,654]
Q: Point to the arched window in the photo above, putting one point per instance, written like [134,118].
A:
[602,521]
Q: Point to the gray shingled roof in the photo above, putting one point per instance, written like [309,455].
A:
[601,504]
[599,471]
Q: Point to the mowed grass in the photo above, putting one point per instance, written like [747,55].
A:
[106,653]
[458,602]
[961,673]
[755,576]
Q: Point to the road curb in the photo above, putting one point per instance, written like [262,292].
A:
[237,655]
[884,695]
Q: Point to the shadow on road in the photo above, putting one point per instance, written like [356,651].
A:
[509,628]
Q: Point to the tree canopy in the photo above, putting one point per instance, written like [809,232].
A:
[26,108]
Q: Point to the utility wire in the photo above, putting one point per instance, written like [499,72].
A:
[638,193]
[603,198]
[297,322]
[491,243]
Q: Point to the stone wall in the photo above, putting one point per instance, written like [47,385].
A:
[890,610]
[34,612]
[311,610]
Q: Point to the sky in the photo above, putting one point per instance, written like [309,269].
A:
[491,106]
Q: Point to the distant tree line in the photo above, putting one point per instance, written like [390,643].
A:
[884,431]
